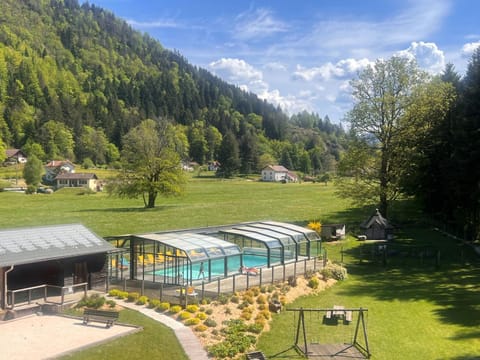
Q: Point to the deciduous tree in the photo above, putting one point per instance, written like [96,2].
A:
[151,165]
[395,104]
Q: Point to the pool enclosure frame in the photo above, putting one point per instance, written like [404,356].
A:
[184,256]
[170,258]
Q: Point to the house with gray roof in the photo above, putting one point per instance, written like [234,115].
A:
[47,257]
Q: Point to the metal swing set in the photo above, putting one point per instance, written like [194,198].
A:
[353,349]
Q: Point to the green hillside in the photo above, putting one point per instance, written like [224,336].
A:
[70,73]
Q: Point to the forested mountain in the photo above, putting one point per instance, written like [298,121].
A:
[74,80]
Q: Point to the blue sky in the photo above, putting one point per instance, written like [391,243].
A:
[301,54]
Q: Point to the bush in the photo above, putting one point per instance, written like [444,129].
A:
[192,308]
[133,296]
[334,271]
[111,303]
[184,315]
[292,281]
[261,299]
[175,309]
[153,303]
[223,299]
[248,298]
[313,282]
[113,292]
[255,328]
[94,301]
[142,300]
[164,306]
[122,295]
[235,299]
[192,321]
[200,328]
[201,316]
[210,322]
[209,311]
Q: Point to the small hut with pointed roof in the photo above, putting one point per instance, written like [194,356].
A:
[377,227]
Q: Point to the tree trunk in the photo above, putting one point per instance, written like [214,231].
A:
[152,196]
[383,206]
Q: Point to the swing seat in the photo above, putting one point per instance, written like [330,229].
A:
[256,355]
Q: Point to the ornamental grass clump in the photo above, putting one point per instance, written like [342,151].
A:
[133,296]
[153,303]
[163,306]
[192,321]
[142,300]
[201,315]
[200,328]
[192,308]
[175,309]
[314,282]
[184,315]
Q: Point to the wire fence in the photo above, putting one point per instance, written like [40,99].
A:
[201,289]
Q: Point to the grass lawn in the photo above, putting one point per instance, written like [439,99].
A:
[415,310]
[150,343]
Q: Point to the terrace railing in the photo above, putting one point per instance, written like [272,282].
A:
[43,293]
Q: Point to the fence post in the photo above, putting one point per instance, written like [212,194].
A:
[233,282]
[261,269]
[248,280]
[161,291]
[283,272]
[143,287]
[218,287]
[305,266]
[273,275]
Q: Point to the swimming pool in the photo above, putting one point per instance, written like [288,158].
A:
[217,268]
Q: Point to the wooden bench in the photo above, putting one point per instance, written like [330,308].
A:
[104,316]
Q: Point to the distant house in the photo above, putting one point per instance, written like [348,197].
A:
[333,232]
[15,156]
[213,165]
[56,167]
[376,227]
[277,173]
[86,180]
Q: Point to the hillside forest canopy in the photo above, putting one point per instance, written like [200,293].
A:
[75,80]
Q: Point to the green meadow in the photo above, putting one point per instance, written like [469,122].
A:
[416,309]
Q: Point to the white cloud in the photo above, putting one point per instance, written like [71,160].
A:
[343,68]
[469,48]
[428,56]
[236,71]
[259,23]
[162,23]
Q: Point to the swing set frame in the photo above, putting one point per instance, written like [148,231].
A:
[334,351]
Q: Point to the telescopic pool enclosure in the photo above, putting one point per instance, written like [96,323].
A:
[184,256]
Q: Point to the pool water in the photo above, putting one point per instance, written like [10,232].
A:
[217,267]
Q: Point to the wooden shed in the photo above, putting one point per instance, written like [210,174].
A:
[376,227]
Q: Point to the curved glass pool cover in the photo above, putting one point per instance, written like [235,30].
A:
[180,258]
[276,242]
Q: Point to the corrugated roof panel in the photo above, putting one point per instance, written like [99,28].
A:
[36,244]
